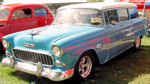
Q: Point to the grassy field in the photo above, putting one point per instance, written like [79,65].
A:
[131,67]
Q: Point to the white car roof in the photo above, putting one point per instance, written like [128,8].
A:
[100,5]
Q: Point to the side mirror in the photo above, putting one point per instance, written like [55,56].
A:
[114,22]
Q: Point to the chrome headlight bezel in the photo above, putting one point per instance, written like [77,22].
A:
[57,51]
[5,43]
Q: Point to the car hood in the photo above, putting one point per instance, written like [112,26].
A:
[43,38]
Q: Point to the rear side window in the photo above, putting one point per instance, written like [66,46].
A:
[133,13]
[22,13]
[40,12]
[123,14]
[111,16]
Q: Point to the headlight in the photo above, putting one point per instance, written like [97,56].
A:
[58,52]
[5,43]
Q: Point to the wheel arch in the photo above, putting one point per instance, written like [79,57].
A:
[95,63]
[141,36]
[95,56]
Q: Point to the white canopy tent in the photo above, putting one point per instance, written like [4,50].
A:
[46,1]
[52,4]
[41,1]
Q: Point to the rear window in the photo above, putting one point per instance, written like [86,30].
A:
[40,12]
[133,13]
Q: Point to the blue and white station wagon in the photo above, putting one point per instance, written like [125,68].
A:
[81,36]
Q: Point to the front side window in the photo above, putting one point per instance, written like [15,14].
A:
[79,17]
[123,14]
[111,16]
[40,12]
[22,13]
[4,13]
[133,13]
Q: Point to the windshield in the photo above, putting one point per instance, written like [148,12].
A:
[79,17]
[4,13]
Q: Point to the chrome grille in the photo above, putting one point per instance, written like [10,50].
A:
[33,56]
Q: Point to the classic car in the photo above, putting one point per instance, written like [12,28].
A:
[18,17]
[81,36]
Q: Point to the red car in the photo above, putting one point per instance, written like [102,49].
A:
[18,17]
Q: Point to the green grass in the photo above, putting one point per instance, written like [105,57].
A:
[11,76]
[131,67]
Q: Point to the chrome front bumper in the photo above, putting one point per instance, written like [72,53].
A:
[37,69]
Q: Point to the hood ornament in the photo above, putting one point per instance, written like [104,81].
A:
[33,33]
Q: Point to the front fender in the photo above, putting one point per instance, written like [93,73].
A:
[71,57]
[74,46]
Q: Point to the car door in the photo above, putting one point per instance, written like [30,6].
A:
[42,17]
[126,28]
[136,22]
[114,33]
[22,19]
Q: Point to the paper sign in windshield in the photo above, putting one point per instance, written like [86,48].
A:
[96,20]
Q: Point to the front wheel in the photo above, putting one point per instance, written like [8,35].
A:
[85,66]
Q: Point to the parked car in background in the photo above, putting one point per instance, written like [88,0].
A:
[18,17]
[81,36]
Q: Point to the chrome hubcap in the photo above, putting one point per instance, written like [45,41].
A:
[138,41]
[85,66]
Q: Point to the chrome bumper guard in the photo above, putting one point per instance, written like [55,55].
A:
[37,69]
